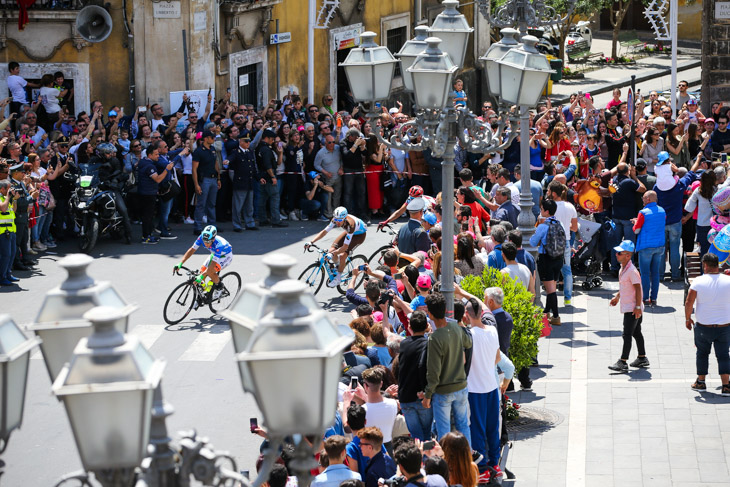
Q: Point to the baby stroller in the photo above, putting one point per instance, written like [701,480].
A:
[590,254]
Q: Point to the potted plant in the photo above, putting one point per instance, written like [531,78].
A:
[527,317]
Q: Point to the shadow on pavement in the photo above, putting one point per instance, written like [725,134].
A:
[712,398]
[200,325]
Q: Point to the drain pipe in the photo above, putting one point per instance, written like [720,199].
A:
[216,40]
[130,51]
[310,50]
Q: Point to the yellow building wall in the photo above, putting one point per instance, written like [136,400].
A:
[690,20]
[108,60]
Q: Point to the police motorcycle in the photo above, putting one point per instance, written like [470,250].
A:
[92,203]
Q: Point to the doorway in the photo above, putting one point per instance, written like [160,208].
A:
[247,85]
[344,100]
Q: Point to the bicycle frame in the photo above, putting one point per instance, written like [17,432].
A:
[324,267]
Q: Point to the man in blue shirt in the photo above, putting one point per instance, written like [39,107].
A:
[381,465]
[337,472]
[357,461]
[499,235]
[506,210]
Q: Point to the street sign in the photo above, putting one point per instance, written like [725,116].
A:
[280,38]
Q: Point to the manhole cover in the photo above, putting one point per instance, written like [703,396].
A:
[534,419]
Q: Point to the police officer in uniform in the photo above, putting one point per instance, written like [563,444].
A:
[242,161]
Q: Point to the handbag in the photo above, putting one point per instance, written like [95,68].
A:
[169,189]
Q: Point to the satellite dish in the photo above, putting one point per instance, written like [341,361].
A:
[94,23]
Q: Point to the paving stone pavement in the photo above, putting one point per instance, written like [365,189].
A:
[645,428]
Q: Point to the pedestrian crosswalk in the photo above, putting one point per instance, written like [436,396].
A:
[194,345]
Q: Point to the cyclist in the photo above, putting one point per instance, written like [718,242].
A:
[221,255]
[415,192]
[354,235]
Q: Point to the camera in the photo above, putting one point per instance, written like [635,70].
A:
[385,297]
[399,481]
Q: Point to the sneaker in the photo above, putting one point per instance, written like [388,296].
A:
[640,362]
[280,225]
[567,302]
[335,281]
[484,477]
[293,216]
[150,240]
[497,472]
[725,390]
[323,218]
[526,386]
[50,244]
[168,236]
[476,457]
[217,293]
[555,321]
[39,247]
[699,385]
[32,252]
[283,216]
[619,366]
[189,221]
[157,230]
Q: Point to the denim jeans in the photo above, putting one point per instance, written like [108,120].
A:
[243,202]
[651,262]
[164,209]
[315,207]
[567,273]
[45,230]
[443,405]
[705,337]
[624,231]
[354,194]
[418,419]
[7,254]
[269,192]
[485,415]
[673,234]
[41,217]
[205,204]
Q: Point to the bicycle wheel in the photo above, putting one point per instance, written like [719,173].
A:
[378,255]
[313,277]
[179,303]
[231,287]
[352,263]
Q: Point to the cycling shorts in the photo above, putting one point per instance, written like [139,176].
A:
[356,240]
[218,262]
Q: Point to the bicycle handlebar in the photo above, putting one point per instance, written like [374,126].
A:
[176,271]
[309,248]
[389,226]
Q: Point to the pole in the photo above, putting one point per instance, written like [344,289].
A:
[632,115]
[525,220]
[447,206]
[278,90]
[310,50]
[673,26]
[185,58]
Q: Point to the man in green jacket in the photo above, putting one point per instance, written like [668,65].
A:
[445,374]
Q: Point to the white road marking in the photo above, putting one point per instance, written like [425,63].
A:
[148,334]
[208,345]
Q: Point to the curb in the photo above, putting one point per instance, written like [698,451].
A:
[639,79]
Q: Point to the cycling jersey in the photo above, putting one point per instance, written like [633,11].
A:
[356,228]
[220,247]
[429,200]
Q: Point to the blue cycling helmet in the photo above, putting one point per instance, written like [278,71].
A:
[209,233]
[313,174]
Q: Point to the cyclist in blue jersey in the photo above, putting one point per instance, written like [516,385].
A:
[221,255]
[354,235]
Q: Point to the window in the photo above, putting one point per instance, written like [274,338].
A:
[395,40]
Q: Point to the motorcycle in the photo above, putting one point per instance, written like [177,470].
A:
[93,208]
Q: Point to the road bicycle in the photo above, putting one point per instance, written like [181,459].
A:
[378,254]
[190,295]
[324,268]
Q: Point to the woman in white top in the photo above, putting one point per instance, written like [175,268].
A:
[49,98]
[701,199]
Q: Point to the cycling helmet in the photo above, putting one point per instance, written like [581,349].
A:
[339,214]
[105,148]
[209,233]
[415,192]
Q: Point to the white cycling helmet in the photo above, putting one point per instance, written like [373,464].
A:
[209,233]
[339,214]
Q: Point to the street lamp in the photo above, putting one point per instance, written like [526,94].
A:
[14,355]
[453,29]
[303,349]
[494,54]
[107,389]
[523,74]
[409,52]
[432,73]
[369,64]
[60,322]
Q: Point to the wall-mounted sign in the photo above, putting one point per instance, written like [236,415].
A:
[200,21]
[722,10]
[243,80]
[166,10]
[347,38]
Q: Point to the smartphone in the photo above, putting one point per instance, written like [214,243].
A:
[209,91]
[142,108]
[723,158]
[428,445]
[254,424]
[362,267]
[398,276]
[353,382]
[377,104]
[350,358]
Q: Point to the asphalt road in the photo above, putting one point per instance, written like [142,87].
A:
[201,379]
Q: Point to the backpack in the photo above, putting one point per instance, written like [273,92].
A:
[555,238]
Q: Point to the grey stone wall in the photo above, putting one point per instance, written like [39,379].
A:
[715,58]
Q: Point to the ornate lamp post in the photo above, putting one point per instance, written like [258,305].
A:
[409,52]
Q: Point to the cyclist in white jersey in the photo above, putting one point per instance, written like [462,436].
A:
[221,255]
[354,234]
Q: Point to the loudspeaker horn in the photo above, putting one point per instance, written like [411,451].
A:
[94,23]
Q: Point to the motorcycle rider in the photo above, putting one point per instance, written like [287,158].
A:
[112,178]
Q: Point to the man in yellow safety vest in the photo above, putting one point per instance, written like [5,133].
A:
[7,232]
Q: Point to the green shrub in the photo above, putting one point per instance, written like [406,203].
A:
[526,316]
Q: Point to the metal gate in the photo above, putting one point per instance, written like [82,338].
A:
[247,85]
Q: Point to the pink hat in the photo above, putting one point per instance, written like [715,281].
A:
[424,282]
[709,120]
[378,316]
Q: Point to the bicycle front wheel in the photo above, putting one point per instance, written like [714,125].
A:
[377,258]
[231,286]
[352,263]
[313,277]
[179,303]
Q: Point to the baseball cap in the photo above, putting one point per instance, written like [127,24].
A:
[393,111]
[710,120]
[662,157]
[691,101]
[416,204]
[430,218]
[112,113]
[625,246]
[268,133]
[423,282]
[640,164]
[313,174]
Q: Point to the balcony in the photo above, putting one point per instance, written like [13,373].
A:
[232,7]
